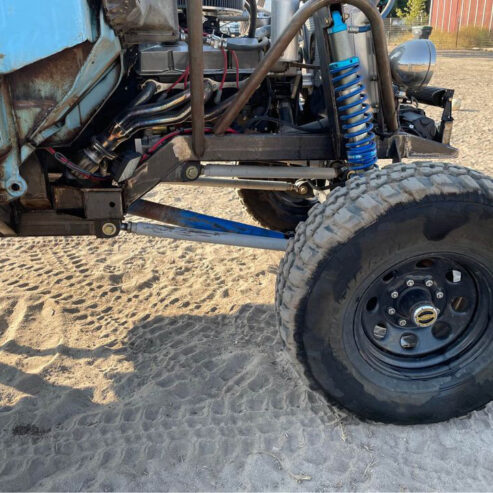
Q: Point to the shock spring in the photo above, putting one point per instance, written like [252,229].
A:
[354,114]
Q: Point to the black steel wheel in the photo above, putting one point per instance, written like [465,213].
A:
[419,315]
[385,296]
[279,211]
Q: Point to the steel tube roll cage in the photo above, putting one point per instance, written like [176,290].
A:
[197,227]
[245,93]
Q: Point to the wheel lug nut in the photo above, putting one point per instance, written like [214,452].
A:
[439,295]
[410,283]
[409,341]
[402,323]
[394,294]
[391,311]
[429,283]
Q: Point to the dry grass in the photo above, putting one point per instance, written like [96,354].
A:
[397,40]
[467,38]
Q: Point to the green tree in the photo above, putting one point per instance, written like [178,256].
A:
[412,12]
[399,4]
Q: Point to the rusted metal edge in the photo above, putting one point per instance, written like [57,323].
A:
[196,60]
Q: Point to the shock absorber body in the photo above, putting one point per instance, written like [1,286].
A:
[355,115]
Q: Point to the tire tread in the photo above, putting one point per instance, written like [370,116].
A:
[348,210]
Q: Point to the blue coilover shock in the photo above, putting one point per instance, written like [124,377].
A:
[354,112]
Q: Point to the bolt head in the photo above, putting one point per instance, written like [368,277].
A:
[410,283]
[402,323]
[192,172]
[429,283]
[394,294]
[109,229]
[391,311]
[440,295]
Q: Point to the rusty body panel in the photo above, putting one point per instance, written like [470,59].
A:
[36,196]
[50,101]
[38,88]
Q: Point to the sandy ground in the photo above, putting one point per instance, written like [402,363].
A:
[142,364]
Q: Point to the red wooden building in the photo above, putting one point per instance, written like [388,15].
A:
[451,15]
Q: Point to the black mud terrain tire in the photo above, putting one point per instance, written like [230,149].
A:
[395,249]
[278,211]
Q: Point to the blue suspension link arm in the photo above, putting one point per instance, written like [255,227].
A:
[189,219]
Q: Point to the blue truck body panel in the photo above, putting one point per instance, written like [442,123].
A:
[31,30]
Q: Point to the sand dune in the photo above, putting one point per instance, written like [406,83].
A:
[143,364]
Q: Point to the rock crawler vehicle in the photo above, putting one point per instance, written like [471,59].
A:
[384,296]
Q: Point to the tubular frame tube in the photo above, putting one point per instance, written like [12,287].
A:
[201,236]
[322,41]
[253,18]
[277,49]
[196,54]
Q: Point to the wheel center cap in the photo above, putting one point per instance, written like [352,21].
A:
[425,315]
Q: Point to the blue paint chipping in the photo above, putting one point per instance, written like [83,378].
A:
[190,219]
[194,220]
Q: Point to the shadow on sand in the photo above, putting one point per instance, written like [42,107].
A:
[202,388]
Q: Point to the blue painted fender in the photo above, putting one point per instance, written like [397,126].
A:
[31,30]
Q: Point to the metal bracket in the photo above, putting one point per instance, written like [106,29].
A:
[12,185]
[164,164]
[403,145]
